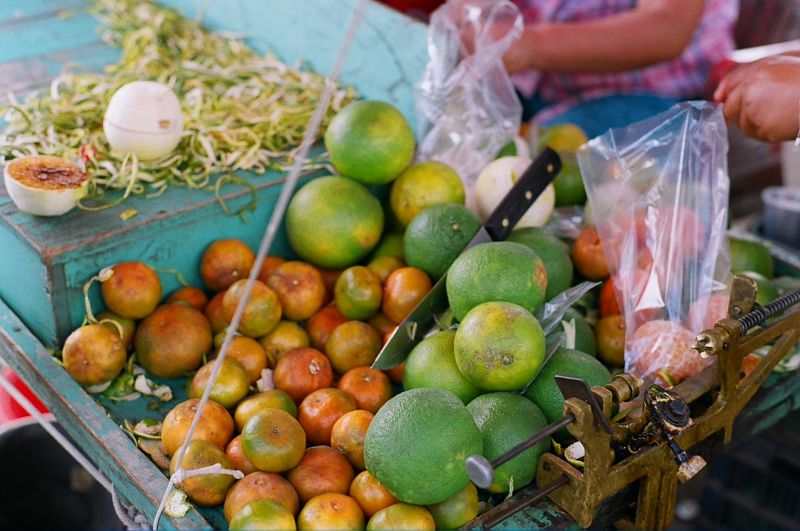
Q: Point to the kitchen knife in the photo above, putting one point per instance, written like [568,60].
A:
[497,227]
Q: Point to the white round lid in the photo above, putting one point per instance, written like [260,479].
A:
[145,107]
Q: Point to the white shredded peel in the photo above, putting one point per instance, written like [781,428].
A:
[266,382]
[242,111]
[570,333]
[575,451]
[148,429]
[147,387]
[130,397]
[574,454]
[99,388]
[155,449]
[177,504]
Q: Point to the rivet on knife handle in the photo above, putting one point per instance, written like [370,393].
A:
[533,181]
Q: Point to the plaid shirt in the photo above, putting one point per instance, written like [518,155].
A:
[684,77]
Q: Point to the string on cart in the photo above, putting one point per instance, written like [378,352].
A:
[266,243]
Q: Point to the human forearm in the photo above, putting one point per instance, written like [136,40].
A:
[653,32]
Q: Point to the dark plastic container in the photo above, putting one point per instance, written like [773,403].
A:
[782,214]
[43,487]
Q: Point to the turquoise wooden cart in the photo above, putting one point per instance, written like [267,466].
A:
[44,263]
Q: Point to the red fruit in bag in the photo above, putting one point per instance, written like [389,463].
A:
[643,293]
[663,346]
[681,232]
[587,255]
[705,313]
[608,299]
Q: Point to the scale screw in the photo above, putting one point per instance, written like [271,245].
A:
[705,345]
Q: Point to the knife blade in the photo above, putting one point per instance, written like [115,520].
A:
[497,226]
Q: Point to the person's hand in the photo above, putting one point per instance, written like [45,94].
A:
[763,97]
[517,57]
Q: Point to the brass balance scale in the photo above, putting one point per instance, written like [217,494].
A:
[648,451]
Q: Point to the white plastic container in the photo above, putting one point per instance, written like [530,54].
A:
[782,214]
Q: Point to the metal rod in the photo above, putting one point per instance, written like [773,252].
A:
[762,313]
[524,445]
[515,508]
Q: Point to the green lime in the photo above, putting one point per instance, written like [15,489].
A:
[563,138]
[505,420]
[496,271]
[333,222]
[436,434]
[262,514]
[358,293]
[569,184]
[424,184]
[370,142]
[499,346]
[454,512]
[748,255]
[432,363]
[391,244]
[554,254]
[545,393]
[437,235]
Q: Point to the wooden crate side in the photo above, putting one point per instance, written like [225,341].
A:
[175,243]
[21,76]
[135,477]
[12,13]
[26,284]
[47,31]
[386,60]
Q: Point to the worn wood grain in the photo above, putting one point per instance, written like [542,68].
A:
[47,34]
[22,76]
[15,12]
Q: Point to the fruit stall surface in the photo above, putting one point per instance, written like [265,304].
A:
[45,262]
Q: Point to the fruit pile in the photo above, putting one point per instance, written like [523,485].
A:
[324,441]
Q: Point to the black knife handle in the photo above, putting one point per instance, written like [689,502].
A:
[523,194]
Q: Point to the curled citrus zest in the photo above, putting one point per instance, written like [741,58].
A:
[115,324]
[177,274]
[102,276]
[242,111]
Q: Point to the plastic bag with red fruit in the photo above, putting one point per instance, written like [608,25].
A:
[658,192]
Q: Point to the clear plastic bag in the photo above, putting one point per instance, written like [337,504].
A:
[658,191]
[467,105]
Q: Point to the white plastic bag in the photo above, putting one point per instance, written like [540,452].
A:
[467,105]
[658,191]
